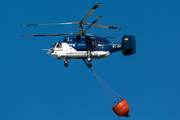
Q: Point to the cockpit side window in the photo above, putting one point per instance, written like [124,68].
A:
[59,45]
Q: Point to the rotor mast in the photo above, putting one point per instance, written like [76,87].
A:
[81,29]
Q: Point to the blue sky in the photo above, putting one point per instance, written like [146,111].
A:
[34,86]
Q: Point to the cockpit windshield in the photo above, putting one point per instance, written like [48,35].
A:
[56,45]
[53,45]
[52,48]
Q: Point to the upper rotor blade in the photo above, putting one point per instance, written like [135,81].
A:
[91,11]
[49,35]
[103,26]
[92,23]
[48,24]
[104,36]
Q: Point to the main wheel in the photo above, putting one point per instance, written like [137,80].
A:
[65,64]
[89,65]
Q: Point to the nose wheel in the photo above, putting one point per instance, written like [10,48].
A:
[65,63]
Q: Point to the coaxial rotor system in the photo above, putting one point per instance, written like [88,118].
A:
[80,24]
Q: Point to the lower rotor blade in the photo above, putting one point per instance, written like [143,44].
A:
[48,24]
[48,35]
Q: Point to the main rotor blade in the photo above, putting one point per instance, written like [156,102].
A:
[49,35]
[48,24]
[104,36]
[103,26]
[91,11]
[92,23]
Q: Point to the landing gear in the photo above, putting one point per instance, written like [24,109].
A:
[89,54]
[65,63]
[89,65]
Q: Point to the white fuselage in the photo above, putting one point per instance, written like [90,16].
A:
[67,52]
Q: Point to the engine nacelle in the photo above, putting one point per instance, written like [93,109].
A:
[128,45]
[80,46]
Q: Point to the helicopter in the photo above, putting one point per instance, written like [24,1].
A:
[85,46]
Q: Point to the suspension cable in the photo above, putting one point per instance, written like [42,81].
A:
[109,92]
